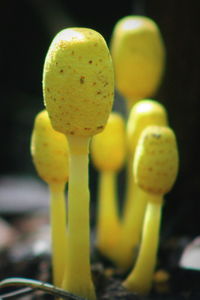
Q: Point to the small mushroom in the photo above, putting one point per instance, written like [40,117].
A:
[49,150]
[138,54]
[155,171]
[143,113]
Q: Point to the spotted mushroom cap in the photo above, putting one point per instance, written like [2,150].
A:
[156,160]
[49,150]
[138,55]
[108,148]
[144,113]
[78,83]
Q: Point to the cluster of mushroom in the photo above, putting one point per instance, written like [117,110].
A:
[78,88]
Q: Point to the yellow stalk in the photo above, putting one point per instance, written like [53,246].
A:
[140,279]
[78,275]
[108,222]
[58,231]
[130,185]
[108,152]
[130,102]
[131,231]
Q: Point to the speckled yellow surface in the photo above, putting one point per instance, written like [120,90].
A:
[138,55]
[78,83]
[108,148]
[49,150]
[144,113]
[156,160]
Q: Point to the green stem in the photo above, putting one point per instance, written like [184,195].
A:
[58,230]
[78,274]
[140,279]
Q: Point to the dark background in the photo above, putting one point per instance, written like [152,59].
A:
[27,28]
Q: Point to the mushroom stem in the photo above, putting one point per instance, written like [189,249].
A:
[130,185]
[58,230]
[108,222]
[131,230]
[130,102]
[140,279]
[78,275]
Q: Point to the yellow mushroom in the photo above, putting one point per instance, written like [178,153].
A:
[49,150]
[78,93]
[138,54]
[78,82]
[155,171]
[108,150]
[143,113]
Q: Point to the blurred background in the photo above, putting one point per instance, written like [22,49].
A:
[27,28]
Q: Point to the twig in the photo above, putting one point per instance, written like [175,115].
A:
[39,285]
[20,292]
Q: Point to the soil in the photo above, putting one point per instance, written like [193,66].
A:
[24,258]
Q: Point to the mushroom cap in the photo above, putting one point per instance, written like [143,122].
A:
[78,82]
[144,113]
[138,54]
[108,148]
[156,160]
[49,150]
